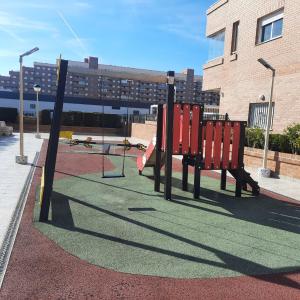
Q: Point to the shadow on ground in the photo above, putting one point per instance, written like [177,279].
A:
[128,227]
[6,141]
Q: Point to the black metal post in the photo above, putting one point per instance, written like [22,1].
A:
[224,172]
[159,128]
[185,172]
[197,176]
[169,135]
[198,158]
[239,179]
[53,140]
[223,179]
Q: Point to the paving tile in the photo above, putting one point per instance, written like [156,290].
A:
[12,175]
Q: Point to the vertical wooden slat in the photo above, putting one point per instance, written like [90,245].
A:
[226,145]
[164,128]
[208,144]
[217,145]
[203,138]
[235,145]
[195,130]
[176,128]
[186,129]
[181,121]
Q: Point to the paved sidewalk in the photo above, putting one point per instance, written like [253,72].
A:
[13,175]
[286,186]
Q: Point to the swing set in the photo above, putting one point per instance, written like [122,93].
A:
[105,147]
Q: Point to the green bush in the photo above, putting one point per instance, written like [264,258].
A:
[45,117]
[279,142]
[288,142]
[8,114]
[255,138]
[293,134]
[89,120]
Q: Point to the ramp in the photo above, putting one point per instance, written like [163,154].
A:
[245,178]
[148,159]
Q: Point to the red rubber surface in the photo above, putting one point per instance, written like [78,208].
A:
[39,269]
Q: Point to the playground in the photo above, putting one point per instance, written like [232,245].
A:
[105,234]
[124,225]
[117,219]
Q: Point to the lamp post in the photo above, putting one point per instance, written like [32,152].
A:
[264,171]
[37,89]
[21,159]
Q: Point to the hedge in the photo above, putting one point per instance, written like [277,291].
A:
[288,142]
[85,119]
[8,114]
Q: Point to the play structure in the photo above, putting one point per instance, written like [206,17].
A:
[181,130]
[203,144]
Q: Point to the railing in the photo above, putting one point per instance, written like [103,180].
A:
[206,116]
[142,118]
[215,117]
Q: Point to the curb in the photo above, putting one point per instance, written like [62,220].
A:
[13,227]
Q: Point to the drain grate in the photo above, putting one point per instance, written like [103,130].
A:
[11,233]
[141,209]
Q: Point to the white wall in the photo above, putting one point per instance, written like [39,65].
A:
[69,107]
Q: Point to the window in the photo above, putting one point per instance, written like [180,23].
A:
[32,106]
[216,45]
[270,27]
[258,113]
[116,107]
[235,33]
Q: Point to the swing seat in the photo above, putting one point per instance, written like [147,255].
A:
[106,148]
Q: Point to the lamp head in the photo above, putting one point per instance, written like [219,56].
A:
[30,52]
[265,64]
[37,88]
[171,77]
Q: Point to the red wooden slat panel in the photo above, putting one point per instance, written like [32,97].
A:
[195,130]
[164,128]
[176,128]
[217,145]
[208,144]
[186,129]
[235,145]
[226,145]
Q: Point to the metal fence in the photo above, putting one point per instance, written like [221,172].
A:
[141,118]
[206,116]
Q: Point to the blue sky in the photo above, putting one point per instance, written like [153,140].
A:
[152,34]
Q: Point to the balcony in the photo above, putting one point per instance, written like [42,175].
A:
[216,49]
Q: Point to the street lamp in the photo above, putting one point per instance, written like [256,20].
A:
[264,171]
[21,159]
[37,89]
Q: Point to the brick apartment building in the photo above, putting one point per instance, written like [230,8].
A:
[241,32]
[89,79]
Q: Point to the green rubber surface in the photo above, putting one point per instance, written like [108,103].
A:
[122,224]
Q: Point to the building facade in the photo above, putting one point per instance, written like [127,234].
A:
[240,33]
[81,104]
[97,81]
